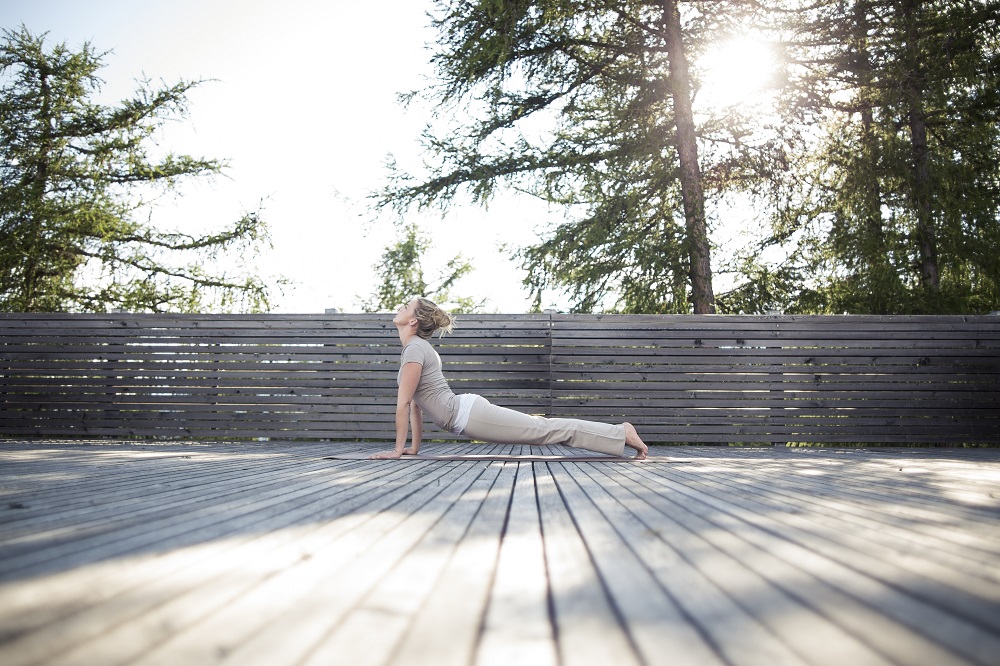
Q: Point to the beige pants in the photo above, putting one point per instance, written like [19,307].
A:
[499,425]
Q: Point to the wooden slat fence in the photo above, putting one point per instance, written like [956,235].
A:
[828,379]
[699,379]
[244,376]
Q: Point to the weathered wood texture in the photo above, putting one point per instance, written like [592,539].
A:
[695,379]
[246,553]
[783,378]
[278,376]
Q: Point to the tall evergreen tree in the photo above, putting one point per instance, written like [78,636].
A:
[72,177]
[904,211]
[588,105]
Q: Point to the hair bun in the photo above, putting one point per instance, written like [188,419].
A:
[443,320]
[431,318]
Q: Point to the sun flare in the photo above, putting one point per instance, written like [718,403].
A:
[736,72]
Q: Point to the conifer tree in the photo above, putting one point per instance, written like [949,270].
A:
[73,177]
[401,277]
[900,208]
[587,105]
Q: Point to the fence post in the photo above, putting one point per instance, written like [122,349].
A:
[777,414]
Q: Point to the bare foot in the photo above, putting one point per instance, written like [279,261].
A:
[633,440]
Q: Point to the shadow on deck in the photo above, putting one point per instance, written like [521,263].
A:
[115,552]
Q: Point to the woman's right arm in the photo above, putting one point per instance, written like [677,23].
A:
[409,377]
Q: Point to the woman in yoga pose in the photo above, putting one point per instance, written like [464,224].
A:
[422,388]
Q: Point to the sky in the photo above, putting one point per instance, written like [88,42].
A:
[300,98]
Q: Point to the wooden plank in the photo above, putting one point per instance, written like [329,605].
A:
[737,355]
[571,330]
[215,583]
[301,598]
[737,432]
[55,602]
[794,403]
[878,518]
[307,366]
[447,629]
[61,512]
[656,625]
[919,340]
[516,626]
[225,356]
[152,522]
[715,587]
[831,556]
[588,628]
[879,551]
[373,628]
[923,633]
[739,322]
[776,584]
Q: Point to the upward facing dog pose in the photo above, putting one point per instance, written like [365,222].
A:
[422,388]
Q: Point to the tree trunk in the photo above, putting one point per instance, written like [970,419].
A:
[876,251]
[917,118]
[862,67]
[925,236]
[34,254]
[702,295]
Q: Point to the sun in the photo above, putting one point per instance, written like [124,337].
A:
[736,72]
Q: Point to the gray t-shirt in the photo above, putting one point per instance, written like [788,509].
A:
[433,395]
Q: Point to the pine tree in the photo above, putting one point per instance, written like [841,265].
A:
[587,105]
[402,277]
[901,208]
[72,180]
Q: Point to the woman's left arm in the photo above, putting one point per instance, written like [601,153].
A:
[416,429]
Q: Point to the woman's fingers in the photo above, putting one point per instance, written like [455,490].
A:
[384,455]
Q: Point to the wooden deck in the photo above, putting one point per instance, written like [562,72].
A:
[269,553]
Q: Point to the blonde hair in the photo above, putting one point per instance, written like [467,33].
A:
[430,319]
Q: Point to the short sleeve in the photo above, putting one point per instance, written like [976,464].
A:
[414,353]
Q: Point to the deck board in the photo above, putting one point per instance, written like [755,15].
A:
[661,627]
[283,616]
[119,552]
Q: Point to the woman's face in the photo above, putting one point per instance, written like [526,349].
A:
[405,313]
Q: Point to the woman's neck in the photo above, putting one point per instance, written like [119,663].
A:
[405,335]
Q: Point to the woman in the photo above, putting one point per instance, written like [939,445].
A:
[422,388]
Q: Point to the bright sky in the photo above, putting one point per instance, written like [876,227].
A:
[303,106]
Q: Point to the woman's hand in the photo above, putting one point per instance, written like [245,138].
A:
[385,455]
